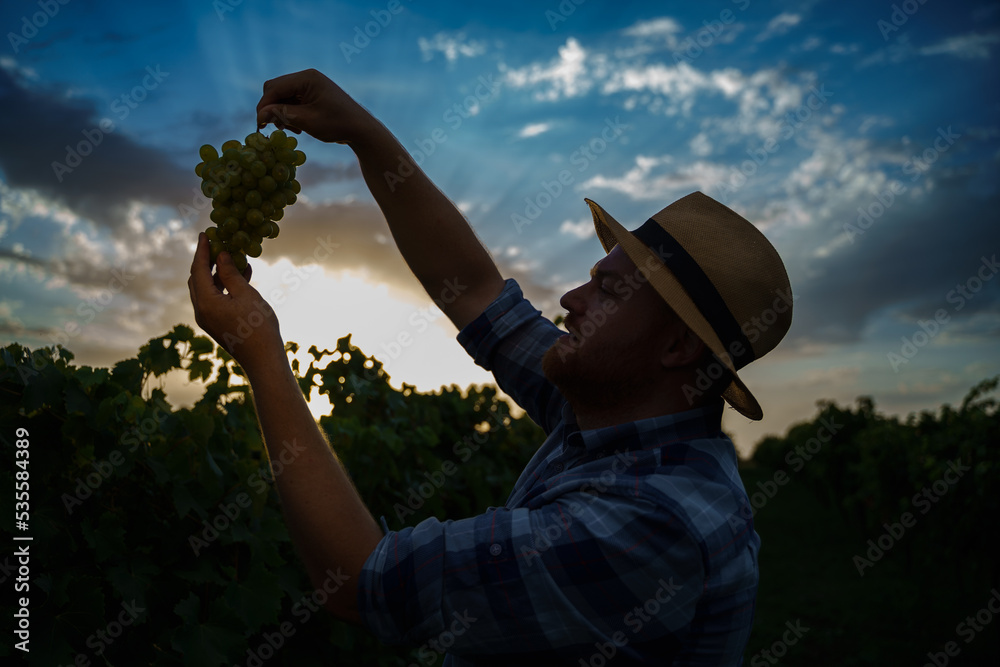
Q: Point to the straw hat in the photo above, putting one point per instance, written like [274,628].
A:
[720,275]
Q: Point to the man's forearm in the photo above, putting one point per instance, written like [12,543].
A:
[433,236]
[327,520]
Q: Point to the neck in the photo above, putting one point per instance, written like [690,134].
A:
[596,411]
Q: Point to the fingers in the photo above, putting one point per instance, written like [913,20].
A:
[282,95]
[285,87]
[232,280]
[200,283]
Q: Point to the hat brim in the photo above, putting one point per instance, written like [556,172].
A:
[611,233]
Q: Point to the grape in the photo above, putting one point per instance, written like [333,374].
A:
[267,184]
[280,173]
[240,260]
[250,183]
[278,138]
[208,152]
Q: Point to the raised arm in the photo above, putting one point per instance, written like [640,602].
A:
[436,241]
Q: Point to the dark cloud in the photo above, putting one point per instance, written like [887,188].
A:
[37,127]
[6,253]
[364,243]
[905,264]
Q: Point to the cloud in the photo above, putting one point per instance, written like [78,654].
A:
[661,179]
[582,230]
[779,25]
[116,171]
[970,46]
[663,29]
[451,46]
[565,76]
[533,130]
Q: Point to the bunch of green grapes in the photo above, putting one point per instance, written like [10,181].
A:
[250,185]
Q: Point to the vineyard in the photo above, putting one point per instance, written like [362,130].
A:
[159,540]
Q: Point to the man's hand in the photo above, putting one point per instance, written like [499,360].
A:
[232,312]
[309,102]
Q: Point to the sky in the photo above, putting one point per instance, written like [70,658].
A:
[862,138]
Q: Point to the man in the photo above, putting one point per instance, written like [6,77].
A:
[628,538]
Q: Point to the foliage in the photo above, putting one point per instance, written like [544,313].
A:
[158,536]
[923,492]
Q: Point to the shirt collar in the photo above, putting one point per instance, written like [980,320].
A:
[702,422]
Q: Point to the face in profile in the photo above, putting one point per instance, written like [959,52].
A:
[618,329]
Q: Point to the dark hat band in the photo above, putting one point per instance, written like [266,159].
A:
[698,286]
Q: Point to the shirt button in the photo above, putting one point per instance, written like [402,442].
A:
[558,467]
[495,549]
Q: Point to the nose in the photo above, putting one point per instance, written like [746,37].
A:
[573,300]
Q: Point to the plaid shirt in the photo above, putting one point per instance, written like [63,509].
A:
[626,545]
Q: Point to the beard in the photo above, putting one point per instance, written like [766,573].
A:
[595,376]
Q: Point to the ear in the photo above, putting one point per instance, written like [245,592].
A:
[682,348]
